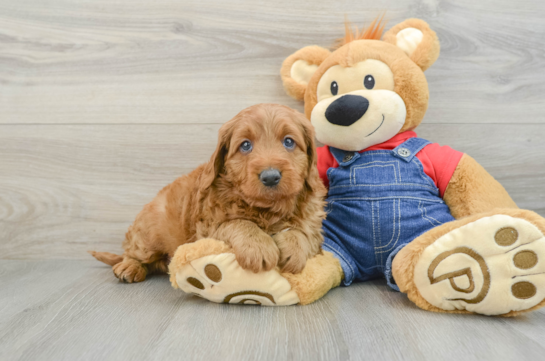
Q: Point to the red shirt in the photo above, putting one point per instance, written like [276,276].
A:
[439,162]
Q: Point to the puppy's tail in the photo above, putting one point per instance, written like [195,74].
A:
[106,257]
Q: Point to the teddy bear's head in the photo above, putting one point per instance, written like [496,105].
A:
[368,90]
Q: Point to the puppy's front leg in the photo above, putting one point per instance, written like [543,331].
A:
[295,248]
[254,249]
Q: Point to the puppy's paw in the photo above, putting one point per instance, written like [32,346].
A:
[257,255]
[293,257]
[292,262]
[129,271]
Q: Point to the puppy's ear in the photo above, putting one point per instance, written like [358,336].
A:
[299,67]
[216,165]
[313,181]
[417,40]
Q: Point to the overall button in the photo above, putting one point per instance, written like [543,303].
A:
[404,152]
[348,157]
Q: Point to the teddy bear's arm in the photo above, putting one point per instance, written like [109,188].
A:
[473,190]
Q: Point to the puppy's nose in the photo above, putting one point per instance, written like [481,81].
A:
[346,110]
[270,177]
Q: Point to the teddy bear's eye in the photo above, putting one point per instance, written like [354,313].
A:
[334,88]
[369,82]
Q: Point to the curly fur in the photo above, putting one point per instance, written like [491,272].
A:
[224,199]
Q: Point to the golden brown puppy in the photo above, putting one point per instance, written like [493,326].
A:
[260,192]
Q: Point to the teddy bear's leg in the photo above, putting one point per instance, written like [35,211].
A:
[208,269]
[491,263]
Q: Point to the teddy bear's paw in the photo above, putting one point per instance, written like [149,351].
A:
[219,278]
[493,266]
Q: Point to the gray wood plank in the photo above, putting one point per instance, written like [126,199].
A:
[403,331]
[104,102]
[76,310]
[201,62]
[66,189]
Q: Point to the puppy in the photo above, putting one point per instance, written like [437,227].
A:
[260,193]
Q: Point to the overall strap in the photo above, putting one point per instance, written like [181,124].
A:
[343,157]
[408,149]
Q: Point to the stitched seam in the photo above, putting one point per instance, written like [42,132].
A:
[329,207]
[370,268]
[398,228]
[340,160]
[380,198]
[419,145]
[364,166]
[422,214]
[381,163]
[388,184]
[373,224]
[377,251]
[428,216]
[379,236]
[385,162]
[398,222]
[394,228]
[424,217]
[371,152]
[426,178]
[341,256]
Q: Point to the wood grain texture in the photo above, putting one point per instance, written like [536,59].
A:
[166,61]
[103,102]
[69,188]
[76,310]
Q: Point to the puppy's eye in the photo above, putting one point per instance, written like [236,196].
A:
[246,147]
[334,88]
[289,143]
[369,82]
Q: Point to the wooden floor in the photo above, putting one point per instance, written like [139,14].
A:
[103,102]
[75,310]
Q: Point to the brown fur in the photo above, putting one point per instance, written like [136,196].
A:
[427,51]
[410,82]
[314,55]
[225,200]
[322,273]
[473,190]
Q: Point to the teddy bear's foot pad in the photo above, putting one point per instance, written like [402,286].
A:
[492,266]
[219,278]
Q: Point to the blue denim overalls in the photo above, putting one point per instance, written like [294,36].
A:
[379,201]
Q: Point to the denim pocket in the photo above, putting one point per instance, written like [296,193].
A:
[376,172]
[428,213]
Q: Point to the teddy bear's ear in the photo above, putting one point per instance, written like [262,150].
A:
[417,40]
[299,67]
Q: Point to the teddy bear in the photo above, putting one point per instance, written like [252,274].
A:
[427,218]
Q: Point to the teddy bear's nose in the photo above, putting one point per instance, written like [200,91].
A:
[346,110]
